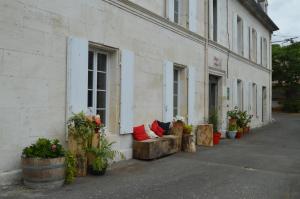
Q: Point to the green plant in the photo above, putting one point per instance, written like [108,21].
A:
[44,148]
[232,127]
[233,114]
[243,119]
[70,167]
[187,129]
[291,105]
[213,119]
[81,127]
[103,154]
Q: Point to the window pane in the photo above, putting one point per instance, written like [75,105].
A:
[101,81]
[175,87]
[90,98]
[101,62]
[175,112]
[176,75]
[90,80]
[102,115]
[91,60]
[176,11]
[101,99]
[175,98]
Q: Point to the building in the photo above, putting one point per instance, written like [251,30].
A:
[132,62]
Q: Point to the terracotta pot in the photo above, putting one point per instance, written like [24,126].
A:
[238,135]
[232,121]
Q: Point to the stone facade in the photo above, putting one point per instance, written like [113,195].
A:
[33,65]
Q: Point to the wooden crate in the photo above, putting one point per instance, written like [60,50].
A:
[204,135]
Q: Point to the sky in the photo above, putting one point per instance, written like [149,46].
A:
[286,15]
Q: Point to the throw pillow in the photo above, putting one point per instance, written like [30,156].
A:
[139,133]
[157,129]
[149,132]
[165,126]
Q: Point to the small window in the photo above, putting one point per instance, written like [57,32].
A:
[215,20]
[176,11]
[240,36]
[97,83]
[240,94]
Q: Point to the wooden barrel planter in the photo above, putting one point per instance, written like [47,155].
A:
[41,173]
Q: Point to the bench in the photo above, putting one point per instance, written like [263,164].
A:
[155,148]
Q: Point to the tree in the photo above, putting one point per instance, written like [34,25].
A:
[286,73]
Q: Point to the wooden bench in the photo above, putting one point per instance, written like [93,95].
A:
[155,148]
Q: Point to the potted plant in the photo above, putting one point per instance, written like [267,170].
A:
[80,131]
[43,164]
[102,155]
[232,129]
[213,119]
[247,122]
[233,115]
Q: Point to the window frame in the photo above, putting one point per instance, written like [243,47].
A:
[93,109]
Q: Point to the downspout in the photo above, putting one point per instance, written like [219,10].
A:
[206,72]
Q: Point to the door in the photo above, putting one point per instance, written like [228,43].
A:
[264,104]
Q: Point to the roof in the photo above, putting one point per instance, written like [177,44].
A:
[260,14]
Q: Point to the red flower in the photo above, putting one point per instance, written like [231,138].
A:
[97,120]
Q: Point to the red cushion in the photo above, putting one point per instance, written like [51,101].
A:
[157,129]
[139,133]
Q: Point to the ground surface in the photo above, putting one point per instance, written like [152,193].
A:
[264,164]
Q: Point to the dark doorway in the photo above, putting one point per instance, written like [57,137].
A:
[213,94]
[264,104]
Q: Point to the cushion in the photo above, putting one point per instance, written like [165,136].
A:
[149,132]
[157,129]
[139,133]
[165,126]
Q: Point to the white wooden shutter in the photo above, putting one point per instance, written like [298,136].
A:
[250,98]
[245,96]
[234,92]
[246,39]
[211,19]
[191,94]
[259,102]
[170,10]
[234,32]
[168,91]
[127,91]
[193,15]
[258,48]
[250,44]
[77,76]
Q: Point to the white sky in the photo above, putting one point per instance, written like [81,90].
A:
[286,15]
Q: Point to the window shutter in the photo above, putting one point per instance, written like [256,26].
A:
[77,75]
[245,96]
[193,15]
[127,91]
[246,39]
[234,92]
[234,32]
[259,101]
[191,94]
[250,98]
[170,10]
[250,44]
[168,91]
[258,48]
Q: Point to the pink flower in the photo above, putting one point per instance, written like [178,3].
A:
[97,120]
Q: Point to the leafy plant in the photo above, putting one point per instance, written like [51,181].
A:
[243,119]
[103,154]
[187,129]
[70,167]
[232,127]
[80,126]
[213,119]
[233,114]
[44,148]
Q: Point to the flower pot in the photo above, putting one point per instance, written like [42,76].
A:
[39,173]
[231,134]
[216,138]
[96,172]
[238,135]
[246,129]
[232,121]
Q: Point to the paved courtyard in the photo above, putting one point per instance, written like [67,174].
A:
[264,164]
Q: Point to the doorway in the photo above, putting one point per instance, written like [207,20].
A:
[214,90]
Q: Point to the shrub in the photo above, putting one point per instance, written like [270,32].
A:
[70,166]
[291,105]
[44,148]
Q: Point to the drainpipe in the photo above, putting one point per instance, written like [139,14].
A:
[206,72]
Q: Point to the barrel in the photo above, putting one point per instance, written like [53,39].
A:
[39,173]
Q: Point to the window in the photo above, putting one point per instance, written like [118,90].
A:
[97,86]
[254,46]
[240,36]
[240,94]
[176,11]
[254,99]
[215,20]
[176,92]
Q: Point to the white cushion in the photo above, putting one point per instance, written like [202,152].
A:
[150,133]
